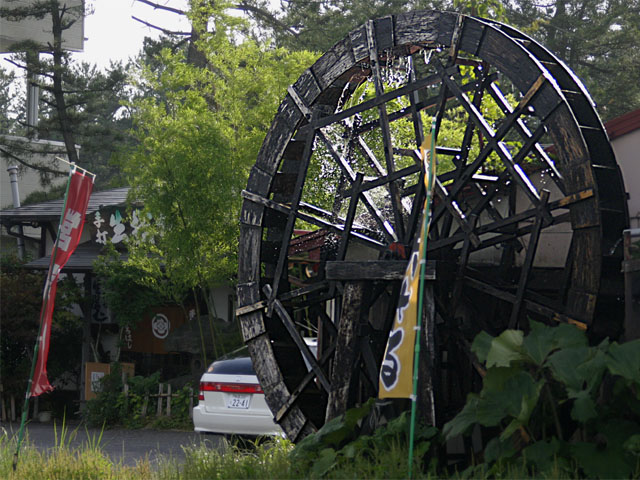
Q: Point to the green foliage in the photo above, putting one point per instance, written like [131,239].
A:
[112,407]
[318,25]
[79,103]
[199,131]
[597,39]
[86,461]
[7,100]
[342,449]
[263,459]
[557,402]
[184,175]
[20,319]
[128,289]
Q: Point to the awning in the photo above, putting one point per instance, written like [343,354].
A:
[81,260]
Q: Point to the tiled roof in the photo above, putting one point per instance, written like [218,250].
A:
[623,124]
[52,209]
[81,260]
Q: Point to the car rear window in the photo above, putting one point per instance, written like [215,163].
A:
[234,366]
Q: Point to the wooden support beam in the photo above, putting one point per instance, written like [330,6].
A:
[344,363]
[373,270]
[287,321]
[532,248]
[295,394]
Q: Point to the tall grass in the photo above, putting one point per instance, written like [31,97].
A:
[259,460]
[264,460]
[62,462]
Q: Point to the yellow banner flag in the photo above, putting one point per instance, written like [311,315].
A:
[396,373]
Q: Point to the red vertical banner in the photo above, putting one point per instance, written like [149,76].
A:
[69,233]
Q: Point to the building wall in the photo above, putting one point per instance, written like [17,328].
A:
[39,30]
[627,150]
[28,178]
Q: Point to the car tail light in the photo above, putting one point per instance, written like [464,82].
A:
[228,387]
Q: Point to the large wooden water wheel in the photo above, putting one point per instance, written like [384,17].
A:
[528,211]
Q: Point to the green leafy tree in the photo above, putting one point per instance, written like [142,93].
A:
[79,105]
[317,25]
[199,131]
[598,39]
[7,104]
[20,320]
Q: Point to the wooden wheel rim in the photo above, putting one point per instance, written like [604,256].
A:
[596,214]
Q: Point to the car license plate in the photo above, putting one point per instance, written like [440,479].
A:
[236,400]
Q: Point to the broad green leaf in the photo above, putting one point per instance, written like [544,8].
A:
[530,393]
[608,458]
[542,455]
[499,449]
[354,415]
[624,360]
[539,342]
[599,462]
[326,460]
[476,411]
[481,345]
[351,449]
[505,349]
[569,336]
[584,408]
[501,397]
[618,430]
[632,445]
[421,449]
[497,377]
[564,366]
[593,368]
[333,432]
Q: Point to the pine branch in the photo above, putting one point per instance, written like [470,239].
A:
[157,6]
[163,30]
[267,16]
[8,154]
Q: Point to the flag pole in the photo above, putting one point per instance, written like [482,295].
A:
[25,408]
[423,246]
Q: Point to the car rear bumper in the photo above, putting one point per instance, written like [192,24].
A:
[229,423]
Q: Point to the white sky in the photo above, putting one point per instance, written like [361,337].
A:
[111,34]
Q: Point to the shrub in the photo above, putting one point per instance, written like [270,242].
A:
[112,407]
[558,404]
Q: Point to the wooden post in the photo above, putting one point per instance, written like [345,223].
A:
[427,377]
[346,349]
[168,400]
[145,405]
[190,402]
[125,390]
[160,388]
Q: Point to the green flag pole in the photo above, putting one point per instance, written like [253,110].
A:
[25,407]
[423,260]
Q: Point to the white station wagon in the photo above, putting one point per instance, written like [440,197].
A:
[231,400]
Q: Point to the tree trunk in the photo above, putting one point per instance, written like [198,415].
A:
[58,90]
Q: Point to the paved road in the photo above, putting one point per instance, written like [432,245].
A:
[128,446]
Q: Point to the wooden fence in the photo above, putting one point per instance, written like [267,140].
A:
[164,397]
[163,407]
